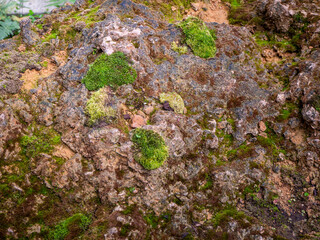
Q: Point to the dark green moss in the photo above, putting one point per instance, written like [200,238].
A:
[150,148]
[198,37]
[225,214]
[113,70]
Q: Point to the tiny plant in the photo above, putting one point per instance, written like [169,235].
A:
[113,70]
[150,148]
[198,37]
[9,25]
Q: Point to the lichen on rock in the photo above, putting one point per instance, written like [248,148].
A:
[97,106]
[175,101]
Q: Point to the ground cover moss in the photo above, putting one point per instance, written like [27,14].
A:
[42,140]
[77,224]
[150,148]
[113,70]
[198,37]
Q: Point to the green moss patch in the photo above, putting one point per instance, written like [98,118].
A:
[73,225]
[175,101]
[150,148]
[198,37]
[97,107]
[41,141]
[113,70]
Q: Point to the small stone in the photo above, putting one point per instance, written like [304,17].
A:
[126,116]
[262,126]
[138,121]
[166,106]
[21,48]
[194,6]
[148,109]
[222,125]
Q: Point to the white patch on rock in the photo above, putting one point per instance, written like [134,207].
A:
[118,38]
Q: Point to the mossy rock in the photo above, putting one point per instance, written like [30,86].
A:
[150,148]
[73,225]
[175,101]
[199,37]
[97,106]
[113,70]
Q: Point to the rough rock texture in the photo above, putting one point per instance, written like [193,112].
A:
[243,157]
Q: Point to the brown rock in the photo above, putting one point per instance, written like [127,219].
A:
[21,48]
[138,121]
[148,109]
[262,126]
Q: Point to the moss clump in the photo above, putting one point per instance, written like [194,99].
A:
[179,49]
[113,70]
[175,101]
[75,224]
[42,141]
[198,37]
[97,106]
[151,150]
[224,215]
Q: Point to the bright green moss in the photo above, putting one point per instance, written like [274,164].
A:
[78,222]
[151,150]
[199,38]
[175,101]
[97,106]
[113,70]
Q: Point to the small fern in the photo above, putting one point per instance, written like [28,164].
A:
[8,26]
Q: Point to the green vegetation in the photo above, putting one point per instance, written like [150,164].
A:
[97,106]
[223,216]
[77,223]
[175,101]
[125,229]
[287,111]
[41,141]
[173,10]
[179,49]
[241,152]
[9,25]
[151,150]
[265,39]
[316,103]
[154,221]
[198,37]
[113,70]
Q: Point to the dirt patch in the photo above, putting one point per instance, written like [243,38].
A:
[31,77]
[213,11]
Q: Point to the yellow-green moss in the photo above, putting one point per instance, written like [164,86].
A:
[175,101]
[97,108]
[179,49]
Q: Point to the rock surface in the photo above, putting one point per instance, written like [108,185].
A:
[243,156]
